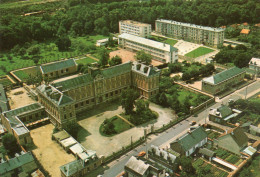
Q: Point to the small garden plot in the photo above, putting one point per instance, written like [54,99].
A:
[228,156]
[212,134]
[199,52]
[85,61]
[200,165]
[113,126]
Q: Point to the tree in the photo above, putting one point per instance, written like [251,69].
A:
[72,128]
[34,50]
[186,164]
[242,60]
[163,100]
[141,56]
[10,143]
[128,98]
[186,76]
[104,56]
[116,60]
[63,43]
[175,67]
[141,106]
[110,42]
[108,127]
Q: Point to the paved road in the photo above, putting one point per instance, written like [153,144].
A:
[163,139]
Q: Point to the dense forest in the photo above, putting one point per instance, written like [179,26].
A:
[80,17]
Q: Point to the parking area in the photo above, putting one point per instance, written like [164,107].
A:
[129,56]
[48,152]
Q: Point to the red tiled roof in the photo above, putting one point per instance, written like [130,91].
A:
[245,31]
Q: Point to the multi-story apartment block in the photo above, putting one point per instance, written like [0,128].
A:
[135,28]
[223,80]
[63,99]
[159,51]
[190,32]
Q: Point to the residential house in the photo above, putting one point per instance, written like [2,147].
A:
[223,80]
[254,65]
[21,164]
[190,142]
[244,32]
[254,130]
[233,140]
[142,168]
[223,114]
[163,158]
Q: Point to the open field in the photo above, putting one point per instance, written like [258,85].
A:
[200,164]
[48,152]
[199,52]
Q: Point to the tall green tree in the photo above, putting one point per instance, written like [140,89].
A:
[10,143]
[128,98]
[104,57]
[141,56]
[116,60]
[63,43]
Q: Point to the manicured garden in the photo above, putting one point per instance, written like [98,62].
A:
[203,167]
[113,126]
[228,156]
[199,52]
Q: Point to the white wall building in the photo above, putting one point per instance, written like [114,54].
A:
[190,32]
[135,28]
[254,65]
[159,51]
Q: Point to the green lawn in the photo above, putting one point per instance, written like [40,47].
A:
[165,40]
[199,52]
[119,126]
[21,74]
[25,73]
[195,99]
[86,60]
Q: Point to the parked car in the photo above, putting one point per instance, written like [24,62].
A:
[193,123]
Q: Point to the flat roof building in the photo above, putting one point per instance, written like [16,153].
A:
[135,28]
[159,51]
[190,32]
[254,65]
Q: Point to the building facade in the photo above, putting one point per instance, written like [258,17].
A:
[160,51]
[223,80]
[63,99]
[254,65]
[190,32]
[135,28]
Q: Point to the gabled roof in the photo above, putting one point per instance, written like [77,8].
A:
[72,167]
[224,111]
[206,152]
[245,31]
[138,166]
[189,140]
[117,70]
[16,162]
[148,42]
[237,135]
[224,75]
[56,66]
[74,82]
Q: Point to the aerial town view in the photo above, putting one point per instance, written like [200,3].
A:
[129,88]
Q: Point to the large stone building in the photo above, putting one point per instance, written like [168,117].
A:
[135,28]
[190,32]
[63,99]
[159,51]
[15,121]
[223,80]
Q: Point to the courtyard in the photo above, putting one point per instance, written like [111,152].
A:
[48,152]
[90,137]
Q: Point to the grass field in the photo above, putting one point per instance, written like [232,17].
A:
[86,60]
[165,40]
[25,73]
[199,52]
[5,81]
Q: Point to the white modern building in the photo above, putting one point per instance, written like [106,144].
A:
[190,32]
[159,51]
[254,65]
[135,28]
